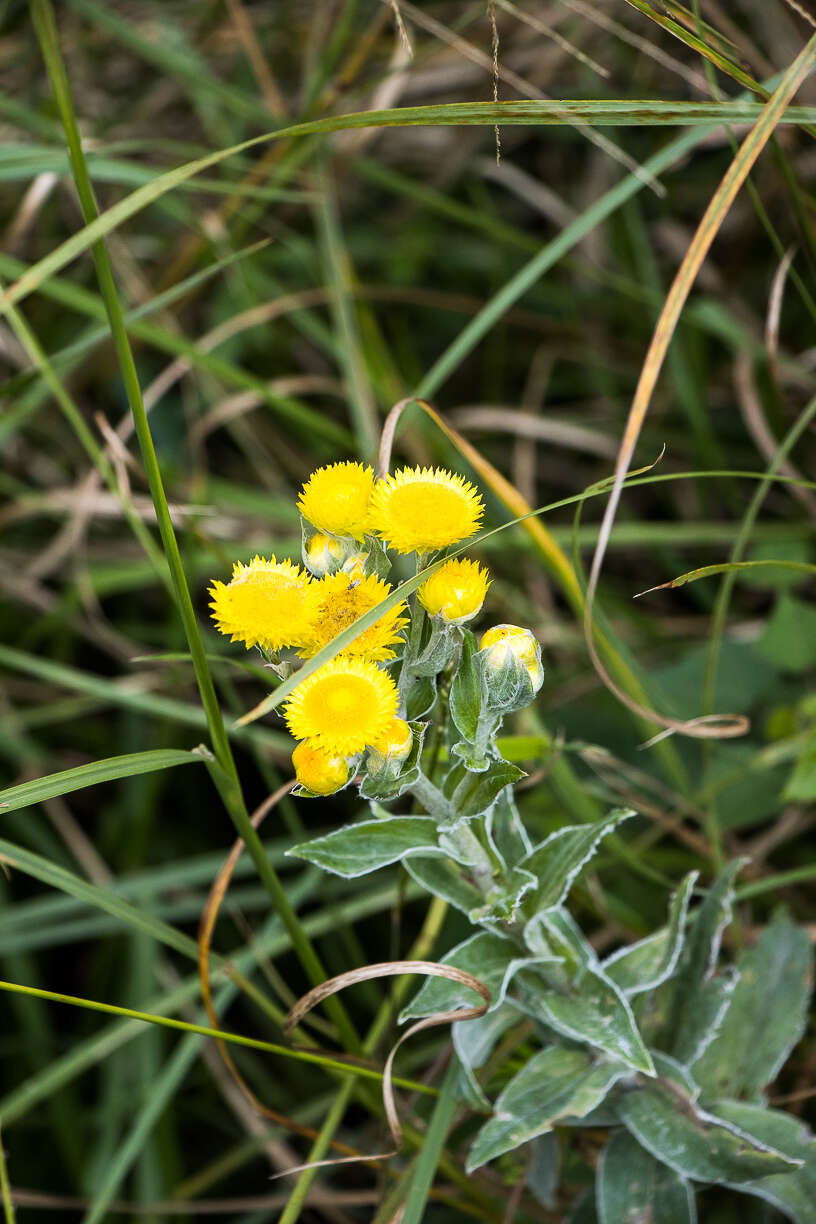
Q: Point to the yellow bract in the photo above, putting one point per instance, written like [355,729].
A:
[424,509]
[336,498]
[264,604]
[337,601]
[456,591]
[317,770]
[343,706]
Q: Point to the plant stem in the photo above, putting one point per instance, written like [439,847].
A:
[5,1187]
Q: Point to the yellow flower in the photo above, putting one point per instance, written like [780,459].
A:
[323,554]
[508,643]
[265,604]
[343,706]
[317,770]
[337,601]
[424,509]
[393,747]
[456,591]
[335,499]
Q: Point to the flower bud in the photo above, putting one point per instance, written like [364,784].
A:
[456,592]
[355,566]
[319,771]
[510,659]
[391,750]
[324,554]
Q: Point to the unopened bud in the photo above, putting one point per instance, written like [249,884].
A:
[456,592]
[511,666]
[391,750]
[318,771]
[324,554]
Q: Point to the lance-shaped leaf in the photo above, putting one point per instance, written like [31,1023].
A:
[634,1188]
[644,965]
[793,1193]
[473,1041]
[493,959]
[694,1143]
[766,1014]
[473,793]
[591,1010]
[556,1083]
[689,1002]
[507,833]
[466,690]
[356,849]
[556,862]
[447,880]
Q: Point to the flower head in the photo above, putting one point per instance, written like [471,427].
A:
[343,706]
[317,770]
[337,601]
[506,646]
[264,604]
[424,509]
[335,499]
[456,591]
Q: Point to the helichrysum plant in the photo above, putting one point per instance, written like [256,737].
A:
[651,1065]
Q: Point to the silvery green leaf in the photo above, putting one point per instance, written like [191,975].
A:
[557,860]
[447,880]
[438,650]
[591,1011]
[378,563]
[472,794]
[691,1004]
[766,1014]
[792,1193]
[466,691]
[555,1083]
[634,1188]
[356,849]
[507,832]
[698,1026]
[385,789]
[419,698]
[644,965]
[493,959]
[542,1179]
[554,932]
[675,1072]
[473,1041]
[694,1143]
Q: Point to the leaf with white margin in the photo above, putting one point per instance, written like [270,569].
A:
[493,959]
[356,849]
[634,1188]
[793,1193]
[694,1143]
[556,1083]
[445,879]
[698,961]
[766,1015]
[557,861]
[701,1024]
[473,1041]
[644,965]
[592,1011]
[507,833]
[554,932]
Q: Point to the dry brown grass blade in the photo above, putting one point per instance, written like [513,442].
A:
[209,917]
[713,726]
[367,973]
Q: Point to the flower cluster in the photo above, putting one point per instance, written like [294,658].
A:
[353,705]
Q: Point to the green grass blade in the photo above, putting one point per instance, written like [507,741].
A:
[40,789]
